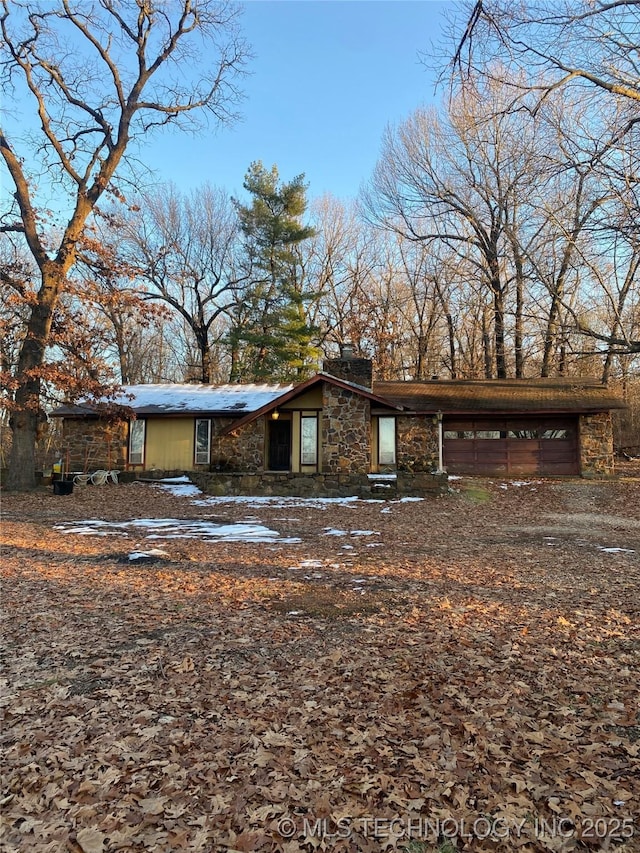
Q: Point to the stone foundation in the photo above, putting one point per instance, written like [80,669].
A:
[320,485]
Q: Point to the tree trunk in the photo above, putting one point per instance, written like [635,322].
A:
[499,334]
[550,337]
[519,323]
[486,345]
[27,416]
[22,460]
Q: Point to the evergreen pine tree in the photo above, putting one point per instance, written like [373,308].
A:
[271,336]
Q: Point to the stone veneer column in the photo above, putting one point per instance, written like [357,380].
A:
[417,443]
[596,445]
[345,431]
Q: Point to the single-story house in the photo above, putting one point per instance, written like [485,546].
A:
[341,432]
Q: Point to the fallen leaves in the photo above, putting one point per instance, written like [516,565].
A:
[463,683]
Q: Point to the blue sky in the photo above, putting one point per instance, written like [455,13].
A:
[327,77]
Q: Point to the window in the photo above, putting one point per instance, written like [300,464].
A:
[309,440]
[203,441]
[137,430]
[386,441]
[555,433]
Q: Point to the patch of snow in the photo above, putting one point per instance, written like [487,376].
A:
[274,502]
[174,528]
[364,533]
[408,500]
[454,477]
[152,552]
[88,528]
[180,490]
[331,531]
[382,476]
[618,550]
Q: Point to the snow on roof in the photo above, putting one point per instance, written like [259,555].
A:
[174,399]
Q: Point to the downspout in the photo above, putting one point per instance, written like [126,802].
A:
[437,418]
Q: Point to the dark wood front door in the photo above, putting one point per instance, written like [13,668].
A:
[279,445]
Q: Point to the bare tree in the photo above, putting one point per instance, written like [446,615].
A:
[340,261]
[457,180]
[98,76]
[184,249]
[557,43]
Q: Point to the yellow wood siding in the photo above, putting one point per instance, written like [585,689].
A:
[311,399]
[170,443]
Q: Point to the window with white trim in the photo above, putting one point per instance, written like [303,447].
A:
[203,441]
[309,440]
[386,441]
[137,432]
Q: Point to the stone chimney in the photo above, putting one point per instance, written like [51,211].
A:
[349,368]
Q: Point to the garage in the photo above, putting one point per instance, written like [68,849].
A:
[514,427]
[511,446]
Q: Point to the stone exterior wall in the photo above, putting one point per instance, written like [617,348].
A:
[416,444]
[596,445]
[320,485]
[94,444]
[345,431]
[241,451]
[356,370]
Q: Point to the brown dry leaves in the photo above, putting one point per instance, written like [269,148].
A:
[472,667]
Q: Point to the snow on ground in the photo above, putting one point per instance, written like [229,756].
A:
[176,528]
[183,487]
[334,531]
[617,550]
[179,486]
[274,502]
[250,529]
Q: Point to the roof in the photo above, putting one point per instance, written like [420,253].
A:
[456,396]
[494,396]
[185,399]
[296,390]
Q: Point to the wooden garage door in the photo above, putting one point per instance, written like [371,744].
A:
[484,446]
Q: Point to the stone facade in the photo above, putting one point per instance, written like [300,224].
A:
[417,444]
[319,485]
[241,451]
[596,445]
[349,369]
[91,444]
[345,431]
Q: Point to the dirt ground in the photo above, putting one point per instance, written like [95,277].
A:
[459,673]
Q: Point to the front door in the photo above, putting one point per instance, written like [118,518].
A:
[279,445]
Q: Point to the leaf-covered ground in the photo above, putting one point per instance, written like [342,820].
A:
[451,674]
